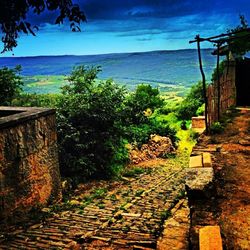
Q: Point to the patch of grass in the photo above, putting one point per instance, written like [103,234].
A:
[169,156]
[96,194]
[133,172]
[99,193]
[122,207]
[101,206]
[113,197]
[125,194]
[165,215]
[139,192]
[63,206]
[125,229]
[216,128]
[180,195]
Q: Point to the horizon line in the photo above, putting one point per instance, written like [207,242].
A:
[109,53]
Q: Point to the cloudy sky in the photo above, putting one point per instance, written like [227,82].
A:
[132,25]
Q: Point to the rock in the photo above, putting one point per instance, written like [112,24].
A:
[175,234]
[199,182]
[157,146]
[210,238]
[207,161]
[195,161]
[73,245]
[244,142]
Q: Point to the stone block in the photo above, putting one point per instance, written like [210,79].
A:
[207,160]
[199,182]
[210,238]
[198,178]
[195,161]
[198,122]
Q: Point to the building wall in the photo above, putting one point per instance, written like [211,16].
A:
[29,169]
[227,93]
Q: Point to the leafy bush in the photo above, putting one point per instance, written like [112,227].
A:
[169,107]
[140,134]
[140,111]
[191,103]
[216,128]
[144,98]
[89,129]
[10,84]
[201,110]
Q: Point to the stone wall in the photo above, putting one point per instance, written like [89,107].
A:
[227,93]
[29,169]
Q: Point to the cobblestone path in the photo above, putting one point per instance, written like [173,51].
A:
[127,216]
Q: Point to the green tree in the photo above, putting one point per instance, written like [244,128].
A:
[136,104]
[10,84]
[139,120]
[13,15]
[191,103]
[89,131]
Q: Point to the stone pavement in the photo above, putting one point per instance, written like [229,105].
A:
[128,215]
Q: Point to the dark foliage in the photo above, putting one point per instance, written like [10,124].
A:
[13,14]
[191,103]
[240,44]
[89,131]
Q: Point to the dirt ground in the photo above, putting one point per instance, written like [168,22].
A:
[230,206]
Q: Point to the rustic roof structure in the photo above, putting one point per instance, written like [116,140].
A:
[223,42]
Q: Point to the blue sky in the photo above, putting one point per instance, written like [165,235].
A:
[132,25]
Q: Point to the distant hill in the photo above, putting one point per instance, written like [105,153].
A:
[178,67]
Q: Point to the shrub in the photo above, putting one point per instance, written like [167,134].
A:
[191,103]
[201,110]
[144,98]
[10,84]
[89,129]
[140,112]
[140,134]
[216,128]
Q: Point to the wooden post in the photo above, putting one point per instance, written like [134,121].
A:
[218,81]
[203,81]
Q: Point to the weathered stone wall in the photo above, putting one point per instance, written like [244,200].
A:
[29,169]
[227,93]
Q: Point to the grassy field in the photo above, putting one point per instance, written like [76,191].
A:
[42,84]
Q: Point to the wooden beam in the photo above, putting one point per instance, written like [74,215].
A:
[218,80]
[203,81]
[218,36]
